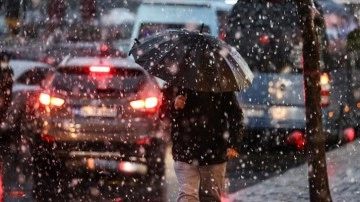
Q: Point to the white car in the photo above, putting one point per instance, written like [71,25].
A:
[154,16]
[157,15]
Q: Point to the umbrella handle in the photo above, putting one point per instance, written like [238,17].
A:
[136,42]
[202,27]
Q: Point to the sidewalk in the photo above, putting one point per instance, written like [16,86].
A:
[343,165]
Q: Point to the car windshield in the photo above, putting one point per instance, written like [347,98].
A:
[82,32]
[148,29]
[82,82]
[82,49]
[33,76]
[271,42]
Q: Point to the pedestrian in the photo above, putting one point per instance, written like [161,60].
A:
[206,132]
[6,78]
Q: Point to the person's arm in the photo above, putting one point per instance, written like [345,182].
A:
[235,121]
[167,102]
[174,100]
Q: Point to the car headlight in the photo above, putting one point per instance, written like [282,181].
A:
[278,113]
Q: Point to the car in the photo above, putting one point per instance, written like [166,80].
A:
[156,16]
[28,76]
[3,27]
[118,23]
[55,53]
[97,120]
[79,39]
[274,106]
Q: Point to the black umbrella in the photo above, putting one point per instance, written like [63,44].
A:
[194,60]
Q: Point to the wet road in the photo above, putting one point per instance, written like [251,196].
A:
[242,172]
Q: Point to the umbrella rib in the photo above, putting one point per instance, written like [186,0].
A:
[171,49]
[188,59]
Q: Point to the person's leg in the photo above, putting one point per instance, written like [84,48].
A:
[188,177]
[212,182]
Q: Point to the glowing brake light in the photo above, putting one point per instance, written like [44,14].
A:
[325,89]
[324,79]
[104,48]
[147,103]
[46,99]
[100,69]
[264,39]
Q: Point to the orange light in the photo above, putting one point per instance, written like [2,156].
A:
[137,104]
[148,103]
[90,163]
[324,79]
[46,99]
[57,101]
[100,69]
[151,102]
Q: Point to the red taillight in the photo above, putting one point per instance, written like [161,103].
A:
[264,39]
[46,99]
[99,69]
[297,139]
[222,35]
[104,47]
[17,194]
[147,103]
[144,141]
[47,138]
[325,89]
[349,134]
[325,98]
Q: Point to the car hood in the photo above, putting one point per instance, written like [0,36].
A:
[274,89]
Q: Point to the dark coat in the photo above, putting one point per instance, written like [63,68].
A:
[6,78]
[208,125]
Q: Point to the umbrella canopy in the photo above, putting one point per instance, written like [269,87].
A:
[194,60]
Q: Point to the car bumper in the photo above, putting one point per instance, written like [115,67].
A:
[92,164]
[114,131]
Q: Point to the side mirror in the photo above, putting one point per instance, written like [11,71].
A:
[353,40]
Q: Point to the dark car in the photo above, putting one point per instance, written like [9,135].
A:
[269,37]
[97,120]
[28,76]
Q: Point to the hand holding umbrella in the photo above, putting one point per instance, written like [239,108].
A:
[180,101]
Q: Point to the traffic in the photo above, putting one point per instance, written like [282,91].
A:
[85,120]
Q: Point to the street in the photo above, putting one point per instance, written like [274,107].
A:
[83,88]
[242,172]
[342,168]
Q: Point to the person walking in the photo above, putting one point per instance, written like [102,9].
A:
[6,78]
[206,132]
